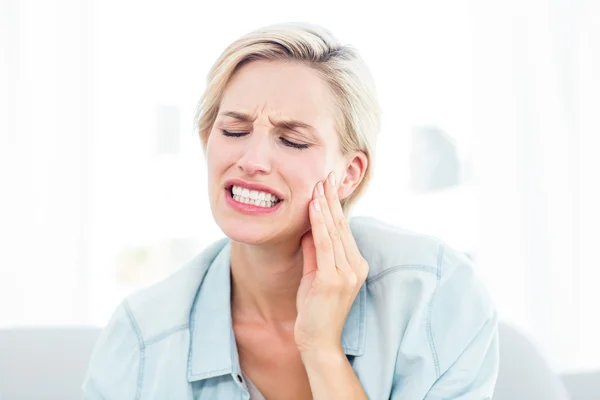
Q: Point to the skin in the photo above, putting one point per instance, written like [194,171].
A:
[295,272]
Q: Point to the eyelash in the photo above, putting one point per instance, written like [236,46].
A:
[299,146]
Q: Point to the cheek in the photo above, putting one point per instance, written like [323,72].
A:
[210,149]
[216,154]
[303,174]
[216,164]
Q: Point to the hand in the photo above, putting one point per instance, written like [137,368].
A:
[333,273]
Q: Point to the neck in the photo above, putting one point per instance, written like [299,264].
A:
[265,281]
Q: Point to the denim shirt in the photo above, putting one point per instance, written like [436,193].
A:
[421,327]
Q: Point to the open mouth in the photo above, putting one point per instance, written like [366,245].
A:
[253,197]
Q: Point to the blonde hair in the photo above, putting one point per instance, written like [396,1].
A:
[340,66]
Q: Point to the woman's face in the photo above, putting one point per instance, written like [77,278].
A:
[274,138]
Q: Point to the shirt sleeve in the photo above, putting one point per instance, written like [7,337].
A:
[463,333]
[114,368]
[473,374]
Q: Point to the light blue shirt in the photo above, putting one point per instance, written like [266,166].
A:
[421,327]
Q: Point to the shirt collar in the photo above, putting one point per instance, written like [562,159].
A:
[213,350]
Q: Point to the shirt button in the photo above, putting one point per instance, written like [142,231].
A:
[239,378]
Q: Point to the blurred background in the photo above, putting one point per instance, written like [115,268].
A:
[491,131]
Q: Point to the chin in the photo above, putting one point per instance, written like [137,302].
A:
[247,229]
[256,230]
[247,233]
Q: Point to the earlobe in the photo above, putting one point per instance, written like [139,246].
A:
[347,188]
[343,188]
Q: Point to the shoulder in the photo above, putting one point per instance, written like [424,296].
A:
[150,312]
[440,283]
[388,248]
[116,354]
[394,253]
[156,309]
[143,317]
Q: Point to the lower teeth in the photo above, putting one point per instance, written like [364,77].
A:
[246,200]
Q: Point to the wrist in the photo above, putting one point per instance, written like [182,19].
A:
[323,358]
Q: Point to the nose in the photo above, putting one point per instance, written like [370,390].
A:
[256,155]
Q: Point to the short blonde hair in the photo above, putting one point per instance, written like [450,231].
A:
[340,66]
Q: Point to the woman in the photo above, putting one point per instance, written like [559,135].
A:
[298,302]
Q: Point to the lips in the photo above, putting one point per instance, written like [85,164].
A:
[250,205]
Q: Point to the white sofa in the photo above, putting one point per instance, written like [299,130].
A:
[44,363]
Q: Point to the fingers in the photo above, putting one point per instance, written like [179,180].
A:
[320,235]
[334,236]
[340,224]
[309,254]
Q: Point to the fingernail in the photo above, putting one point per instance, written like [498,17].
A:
[320,188]
[332,179]
[316,205]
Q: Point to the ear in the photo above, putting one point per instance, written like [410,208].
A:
[353,174]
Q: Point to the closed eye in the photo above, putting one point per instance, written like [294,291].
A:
[295,145]
[233,134]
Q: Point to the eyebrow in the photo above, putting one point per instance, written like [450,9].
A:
[289,124]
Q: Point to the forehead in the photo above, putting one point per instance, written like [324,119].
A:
[280,89]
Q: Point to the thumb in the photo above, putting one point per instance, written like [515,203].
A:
[309,254]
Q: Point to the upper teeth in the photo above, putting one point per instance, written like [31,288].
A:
[255,196]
